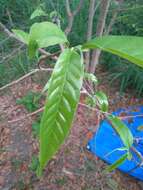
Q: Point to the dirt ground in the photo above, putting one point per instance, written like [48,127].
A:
[73,168]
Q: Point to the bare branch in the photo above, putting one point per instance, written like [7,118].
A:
[68,9]
[104,6]
[26,116]
[71,15]
[11,55]
[140,164]
[42,108]
[24,77]
[113,19]
[44,57]
[80,104]
[7,32]
[10,17]
[96,7]
[69,27]
[78,7]
[89,30]
[12,35]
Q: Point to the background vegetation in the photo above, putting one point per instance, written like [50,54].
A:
[16,14]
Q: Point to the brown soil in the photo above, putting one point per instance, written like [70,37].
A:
[73,168]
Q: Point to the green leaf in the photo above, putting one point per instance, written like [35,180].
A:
[41,35]
[117,163]
[30,101]
[46,87]
[103,101]
[127,47]
[91,77]
[123,131]
[62,100]
[36,129]
[37,13]
[23,36]
[34,163]
[32,48]
[46,34]
[129,155]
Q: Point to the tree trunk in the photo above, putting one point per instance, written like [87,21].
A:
[72,14]
[89,30]
[114,16]
[104,6]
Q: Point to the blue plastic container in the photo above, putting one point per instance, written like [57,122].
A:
[106,140]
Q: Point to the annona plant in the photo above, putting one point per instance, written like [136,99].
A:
[66,82]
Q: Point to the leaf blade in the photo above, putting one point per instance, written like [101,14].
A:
[46,34]
[63,96]
[123,131]
[91,77]
[103,101]
[118,162]
[38,13]
[123,46]
[23,36]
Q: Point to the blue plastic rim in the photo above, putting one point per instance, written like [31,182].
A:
[105,141]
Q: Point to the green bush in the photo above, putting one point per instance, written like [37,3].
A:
[127,75]
[30,101]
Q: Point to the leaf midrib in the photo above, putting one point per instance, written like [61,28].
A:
[61,94]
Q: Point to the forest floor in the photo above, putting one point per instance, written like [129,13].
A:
[73,168]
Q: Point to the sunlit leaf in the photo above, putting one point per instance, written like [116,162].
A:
[38,13]
[129,155]
[123,131]
[115,165]
[32,48]
[46,34]
[91,77]
[41,35]
[62,100]
[23,36]
[127,47]
[103,101]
